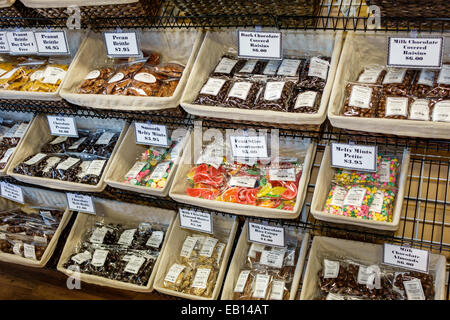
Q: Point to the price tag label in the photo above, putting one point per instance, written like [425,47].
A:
[4,46]
[11,192]
[196,220]
[21,42]
[121,44]
[249,146]
[259,45]
[151,134]
[52,42]
[354,157]
[62,126]
[259,233]
[405,257]
[415,52]
[79,202]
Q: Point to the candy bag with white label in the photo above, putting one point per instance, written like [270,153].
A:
[146,82]
[440,110]
[315,73]
[243,93]
[420,109]
[397,81]
[423,83]
[275,95]
[441,88]
[96,80]
[305,101]
[214,91]
[361,99]
[372,74]
[119,82]
[393,107]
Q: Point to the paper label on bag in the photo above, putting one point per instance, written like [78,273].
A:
[242,280]
[288,67]
[444,75]
[126,237]
[271,67]
[99,257]
[10,131]
[29,251]
[355,197]
[385,171]
[370,75]
[305,99]
[282,174]
[77,143]
[188,246]
[96,167]
[441,111]
[426,77]
[117,77]
[332,296]
[84,166]
[51,162]
[414,290]
[70,162]
[105,138]
[246,182]
[261,284]
[174,272]
[133,172]
[220,248]
[363,275]
[98,235]
[134,264]
[277,290]
[39,239]
[377,202]
[201,278]
[396,106]
[273,258]
[160,171]
[16,247]
[395,75]
[81,257]
[249,66]
[156,239]
[59,140]
[338,196]
[318,68]
[2,236]
[20,131]
[360,97]
[225,65]
[420,110]
[331,269]
[7,155]
[211,156]
[37,75]
[254,248]
[53,74]
[145,77]
[208,247]
[240,90]
[212,86]
[9,74]
[94,74]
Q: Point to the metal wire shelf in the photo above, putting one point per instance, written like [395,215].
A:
[332,15]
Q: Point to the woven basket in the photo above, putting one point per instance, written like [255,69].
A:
[15,14]
[246,7]
[90,13]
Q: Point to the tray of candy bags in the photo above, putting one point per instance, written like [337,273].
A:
[341,269]
[11,132]
[265,188]
[369,199]
[145,168]
[263,272]
[28,233]
[118,252]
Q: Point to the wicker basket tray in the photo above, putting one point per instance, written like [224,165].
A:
[110,9]
[243,7]
[13,12]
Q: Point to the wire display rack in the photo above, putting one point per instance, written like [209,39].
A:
[332,15]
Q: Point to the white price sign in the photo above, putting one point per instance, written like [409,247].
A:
[415,52]
[151,134]
[21,42]
[249,146]
[79,202]
[11,192]
[259,45]
[196,220]
[270,235]
[354,157]
[4,46]
[62,126]
[52,42]
[121,44]
[405,257]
